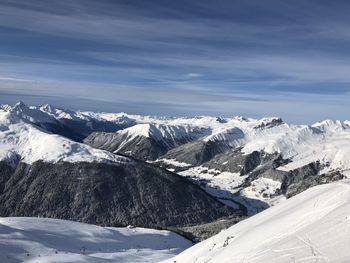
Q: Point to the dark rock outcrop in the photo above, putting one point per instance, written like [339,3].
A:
[299,180]
[197,153]
[237,162]
[201,232]
[295,181]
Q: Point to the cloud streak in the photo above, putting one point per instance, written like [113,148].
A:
[191,55]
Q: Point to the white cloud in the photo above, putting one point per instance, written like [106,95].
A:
[2,78]
[194,75]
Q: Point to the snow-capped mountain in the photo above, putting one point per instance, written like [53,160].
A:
[152,171]
[51,240]
[30,114]
[70,124]
[325,141]
[310,227]
[48,175]
[20,140]
[249,163]
[146,141]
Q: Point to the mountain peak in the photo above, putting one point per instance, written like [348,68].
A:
[20,106]
[47,108]
[20,111]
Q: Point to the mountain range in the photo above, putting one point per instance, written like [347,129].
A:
[192,175]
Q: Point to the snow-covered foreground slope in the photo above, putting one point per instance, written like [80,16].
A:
[313,226]
[50,240]
[23,141]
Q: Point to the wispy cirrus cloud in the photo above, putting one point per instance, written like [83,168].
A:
[2,78]
[191,55]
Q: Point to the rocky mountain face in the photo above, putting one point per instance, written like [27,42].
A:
[106,194]
[197,152]
[140,147]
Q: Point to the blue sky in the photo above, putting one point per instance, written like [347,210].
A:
[253,58]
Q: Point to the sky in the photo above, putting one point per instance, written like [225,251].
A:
[253,58]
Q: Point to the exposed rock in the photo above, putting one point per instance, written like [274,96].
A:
[307,176]
[201,232]
[294,181]
[237,162]
[197,153]
[271,123]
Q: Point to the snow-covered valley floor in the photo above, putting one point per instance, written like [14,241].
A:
[225,186]
[50,240]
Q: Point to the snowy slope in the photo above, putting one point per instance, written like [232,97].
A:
[327,141]
[50,240]
[67,123]
[313,226]
[23,141]
[160,132]
[166,136]
[145,141]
